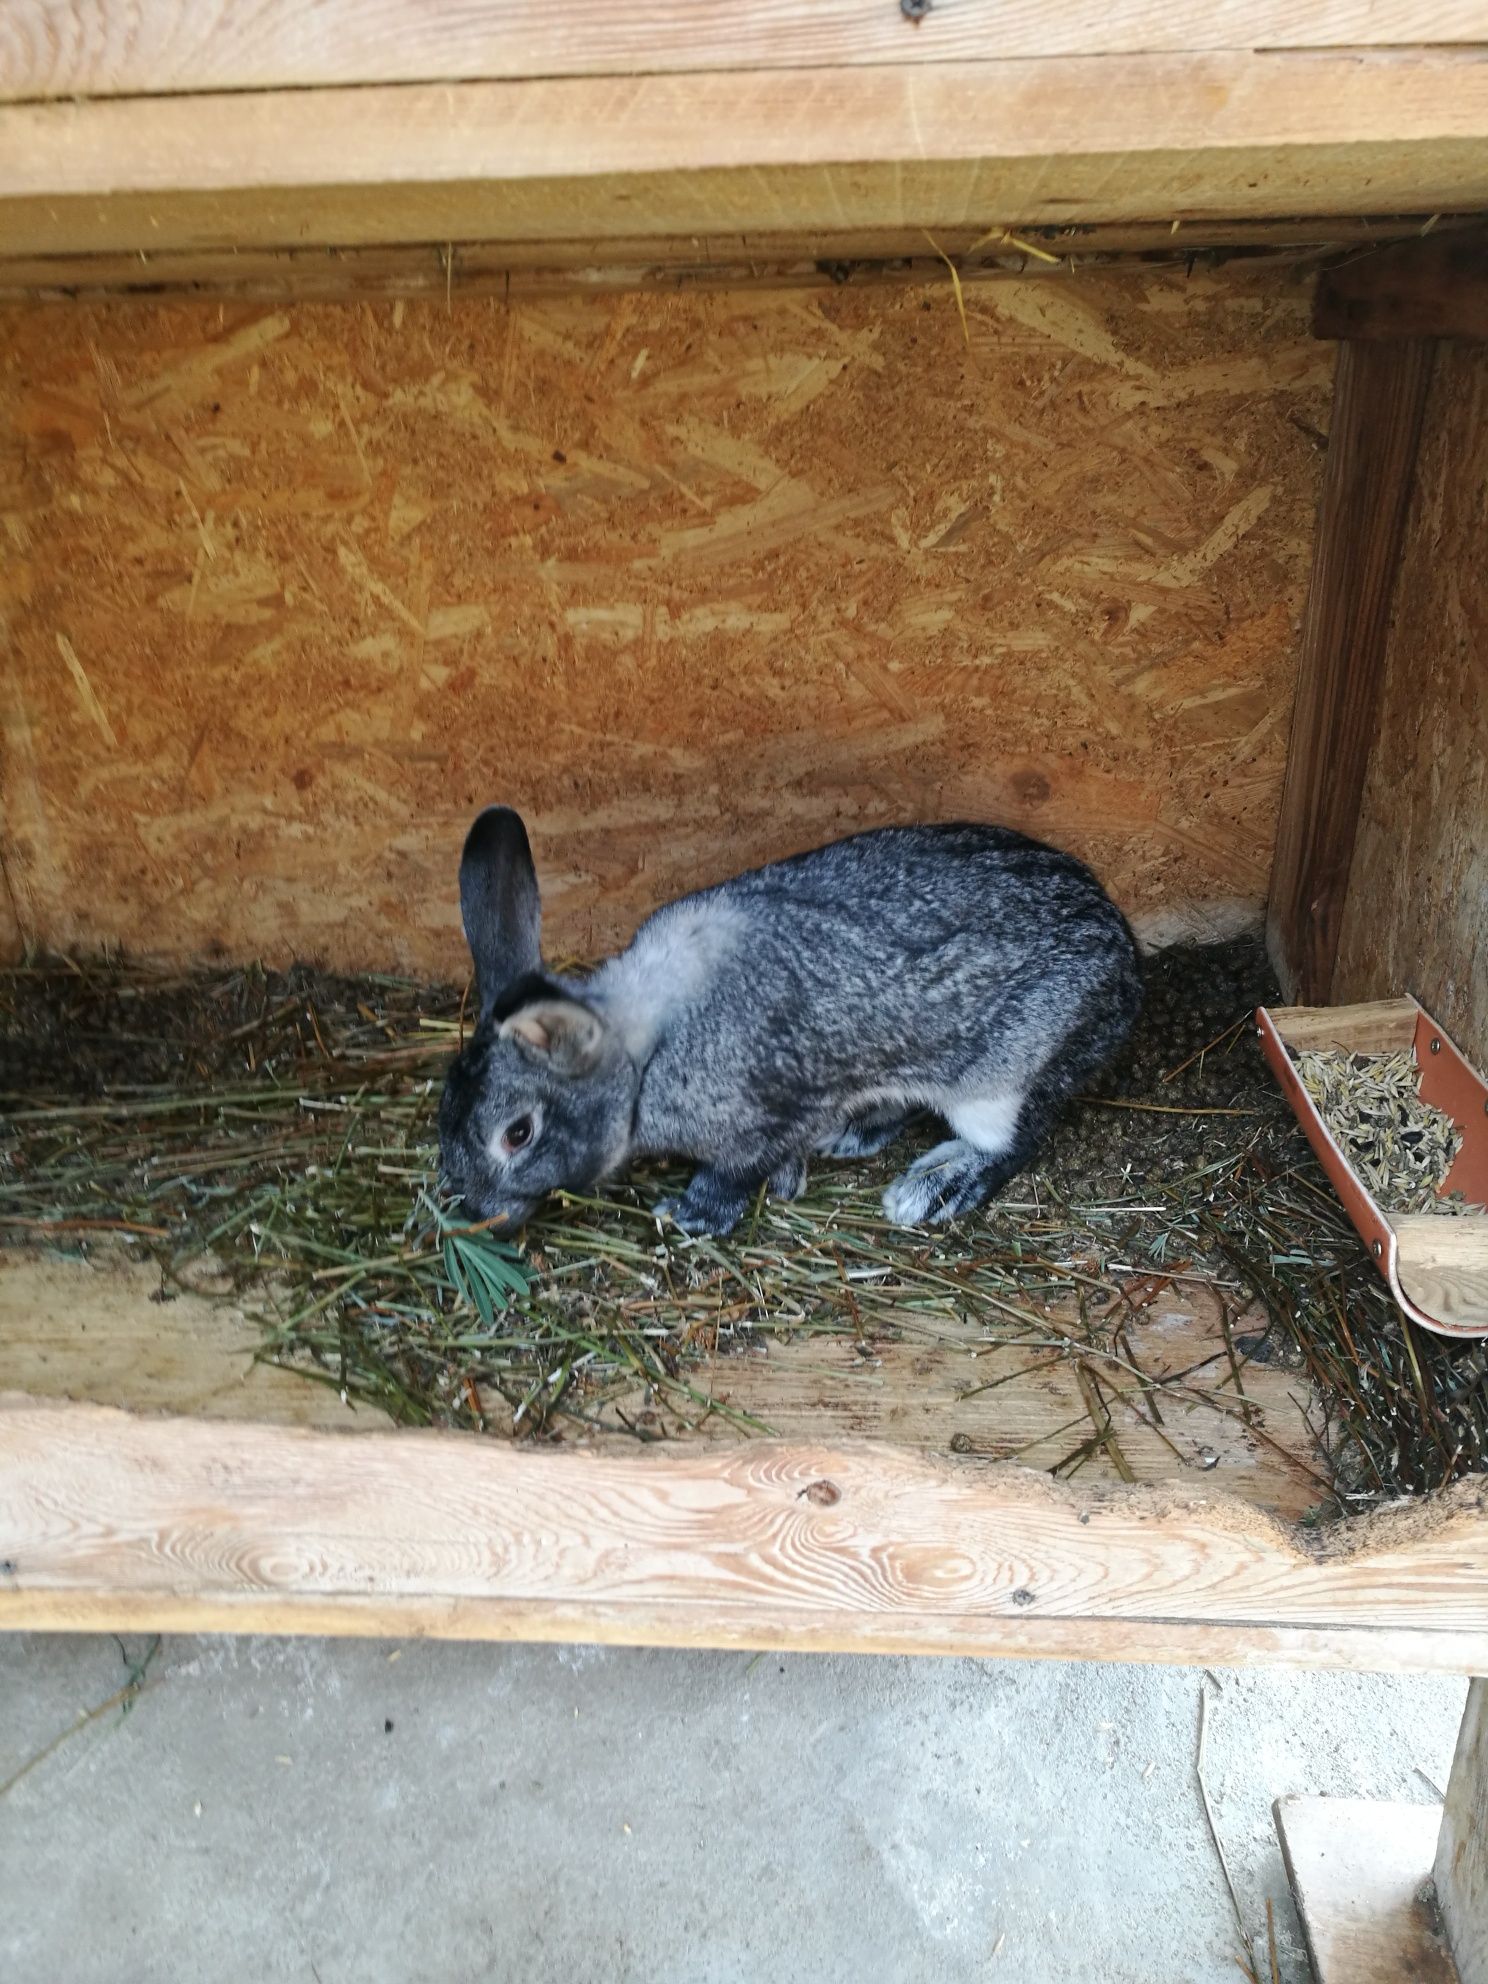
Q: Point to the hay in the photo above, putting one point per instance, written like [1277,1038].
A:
[271,1136]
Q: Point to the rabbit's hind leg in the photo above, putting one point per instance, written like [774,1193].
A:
[994,1139]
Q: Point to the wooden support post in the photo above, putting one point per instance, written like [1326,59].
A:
[1362,1872]
[1436,288]
[1379,396]
[1360,1875]
[1462,1850]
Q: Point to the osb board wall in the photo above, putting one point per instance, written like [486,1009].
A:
[694,580]
[1416,918]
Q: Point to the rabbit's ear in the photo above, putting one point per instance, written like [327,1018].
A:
[499,903]
[565,1034]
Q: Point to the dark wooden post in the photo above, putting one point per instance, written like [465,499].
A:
[1379,395]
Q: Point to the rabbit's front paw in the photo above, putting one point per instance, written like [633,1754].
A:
[712,1203]
[947,1181]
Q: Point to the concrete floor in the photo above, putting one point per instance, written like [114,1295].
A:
[347,1811]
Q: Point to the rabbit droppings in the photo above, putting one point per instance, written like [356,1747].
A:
[814,1005]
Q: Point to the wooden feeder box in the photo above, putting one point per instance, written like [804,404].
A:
[714,429]
[1436,1266]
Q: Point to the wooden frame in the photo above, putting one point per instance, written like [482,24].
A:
[1390,1891]
[1379,397]
[970,143]
[52,50]
[111,1521]
[837,132]
[1390,306]
[293,150]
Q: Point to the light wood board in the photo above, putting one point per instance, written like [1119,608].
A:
[1416,918]
[1379,1026]
[1462,1851]
[1443,1265]
[111,1522]
[95,1330]
[149,47]
[964,143]
[110,1329]
[1357,1868]
[781,259]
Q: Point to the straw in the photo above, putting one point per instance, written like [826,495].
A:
[270,1137]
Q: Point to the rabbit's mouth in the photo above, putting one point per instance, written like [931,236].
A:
[498,1212]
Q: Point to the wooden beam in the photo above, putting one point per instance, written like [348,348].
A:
[964,144]
[1462,1852]
[1436,288]
[61,48]
[1357,1868]
[816,259]
[110,1521]
[1379,397]
[1416,918]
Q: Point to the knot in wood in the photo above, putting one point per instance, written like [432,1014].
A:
[823,1493]
[1022,1596]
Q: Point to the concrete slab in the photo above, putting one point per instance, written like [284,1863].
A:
[329,1812]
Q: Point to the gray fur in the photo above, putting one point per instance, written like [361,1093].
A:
[810,1006]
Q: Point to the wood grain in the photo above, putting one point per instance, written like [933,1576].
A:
[95,1331]
[929,145]
[1382,1026]
[1462,1851]
[150,47]
[1379,396]
[694,580]
[1443,1265]
[104,1517]
[777,260]
[1416,919]
[1357,1868]
[1415,289]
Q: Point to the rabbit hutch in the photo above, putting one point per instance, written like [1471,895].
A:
[712,433]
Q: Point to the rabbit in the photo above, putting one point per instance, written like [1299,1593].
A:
[813,1006]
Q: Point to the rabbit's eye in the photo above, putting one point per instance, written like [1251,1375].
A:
[517,1135]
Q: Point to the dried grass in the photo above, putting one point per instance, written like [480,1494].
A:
[273,1136]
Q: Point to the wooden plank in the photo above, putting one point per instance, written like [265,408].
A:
[694,580]
[974,143]
[1378,399]
[1443,1265]
[181,1523]
[1358,1868]
[96,1331]
[1462,1853]
[1380,1027]
[1415,289]
[59,48]
[784,259]
[1416,916]
[106,1329]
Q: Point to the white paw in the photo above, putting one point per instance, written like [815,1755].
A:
[918,1195]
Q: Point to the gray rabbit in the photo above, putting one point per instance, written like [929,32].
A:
[814,1005]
